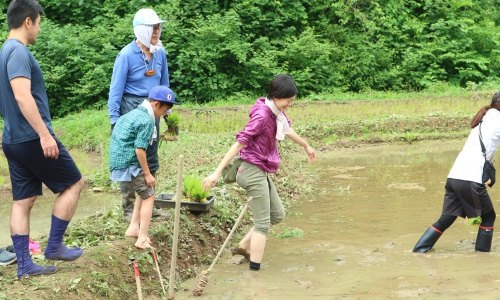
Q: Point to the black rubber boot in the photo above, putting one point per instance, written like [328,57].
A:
[428,239]
[483,240]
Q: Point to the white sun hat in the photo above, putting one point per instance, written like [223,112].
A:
[146,16]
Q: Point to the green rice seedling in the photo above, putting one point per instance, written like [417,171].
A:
[475,221]
[193,189]
[173,119]
[409,137]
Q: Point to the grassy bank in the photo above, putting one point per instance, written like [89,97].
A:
[205,134]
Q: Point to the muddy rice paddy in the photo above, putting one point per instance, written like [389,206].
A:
[369,207]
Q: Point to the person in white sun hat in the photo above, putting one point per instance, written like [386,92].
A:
[140,66]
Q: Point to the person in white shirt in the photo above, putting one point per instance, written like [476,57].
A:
[466,194]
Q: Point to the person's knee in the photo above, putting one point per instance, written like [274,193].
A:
[79,184]
[488,219]
[444,222]
[24,203]
[277,217]
[262,228]
[76,188]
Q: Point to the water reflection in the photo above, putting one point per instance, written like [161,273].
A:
[368,210]
[89,204]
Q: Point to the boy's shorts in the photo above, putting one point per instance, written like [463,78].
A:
[138,184]
[29,168]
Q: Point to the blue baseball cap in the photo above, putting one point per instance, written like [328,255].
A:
[146,16]
[162,93]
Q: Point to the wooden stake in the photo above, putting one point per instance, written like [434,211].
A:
[178,196]
[158,269]
[137,280]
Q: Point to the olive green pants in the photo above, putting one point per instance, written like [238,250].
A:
[266,204]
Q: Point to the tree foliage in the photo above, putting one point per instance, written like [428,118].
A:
[220,48]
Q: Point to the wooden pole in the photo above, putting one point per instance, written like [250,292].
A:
[137,280]
[178,197]
[159,273]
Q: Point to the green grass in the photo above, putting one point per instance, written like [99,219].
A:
[290,233]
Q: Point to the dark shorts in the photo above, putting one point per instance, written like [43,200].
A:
[466,199]
[29,168]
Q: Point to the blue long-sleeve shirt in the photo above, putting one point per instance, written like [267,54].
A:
[128,76]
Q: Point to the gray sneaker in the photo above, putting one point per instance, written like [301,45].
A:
[6,257]
[11,249]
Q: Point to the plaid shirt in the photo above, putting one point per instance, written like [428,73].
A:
[132,130]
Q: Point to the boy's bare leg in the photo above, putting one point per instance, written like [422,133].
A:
[143,241]
[133,228]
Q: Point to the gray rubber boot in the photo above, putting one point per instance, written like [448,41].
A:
[428,239]
[483,240]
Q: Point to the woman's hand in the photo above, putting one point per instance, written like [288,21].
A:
[208,182]
[311,154]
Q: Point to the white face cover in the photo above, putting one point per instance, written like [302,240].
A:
[143,33]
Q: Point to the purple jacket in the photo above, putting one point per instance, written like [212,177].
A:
[259,137]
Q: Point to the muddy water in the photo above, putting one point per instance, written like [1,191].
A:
[369,208]
[89,204]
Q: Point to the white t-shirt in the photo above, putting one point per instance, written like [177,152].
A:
[470,161]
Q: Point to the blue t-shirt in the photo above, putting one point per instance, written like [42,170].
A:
[17,61]
[128,76]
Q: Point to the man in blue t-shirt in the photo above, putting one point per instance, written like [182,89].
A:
[33,152]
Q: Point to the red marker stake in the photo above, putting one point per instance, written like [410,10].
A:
[137,280]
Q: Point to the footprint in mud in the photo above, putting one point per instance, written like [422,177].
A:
[389,245]
[304,283]
[290,269]
[365,251]
[237,260]
[406,186]
[467,242]
[340,260]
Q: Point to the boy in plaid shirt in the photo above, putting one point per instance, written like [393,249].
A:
[132,134]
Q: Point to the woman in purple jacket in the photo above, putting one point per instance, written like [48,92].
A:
[257,148]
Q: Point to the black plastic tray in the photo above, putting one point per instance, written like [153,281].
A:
[165,201]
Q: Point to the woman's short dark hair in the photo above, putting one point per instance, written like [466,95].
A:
[282,86]
[19,10]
